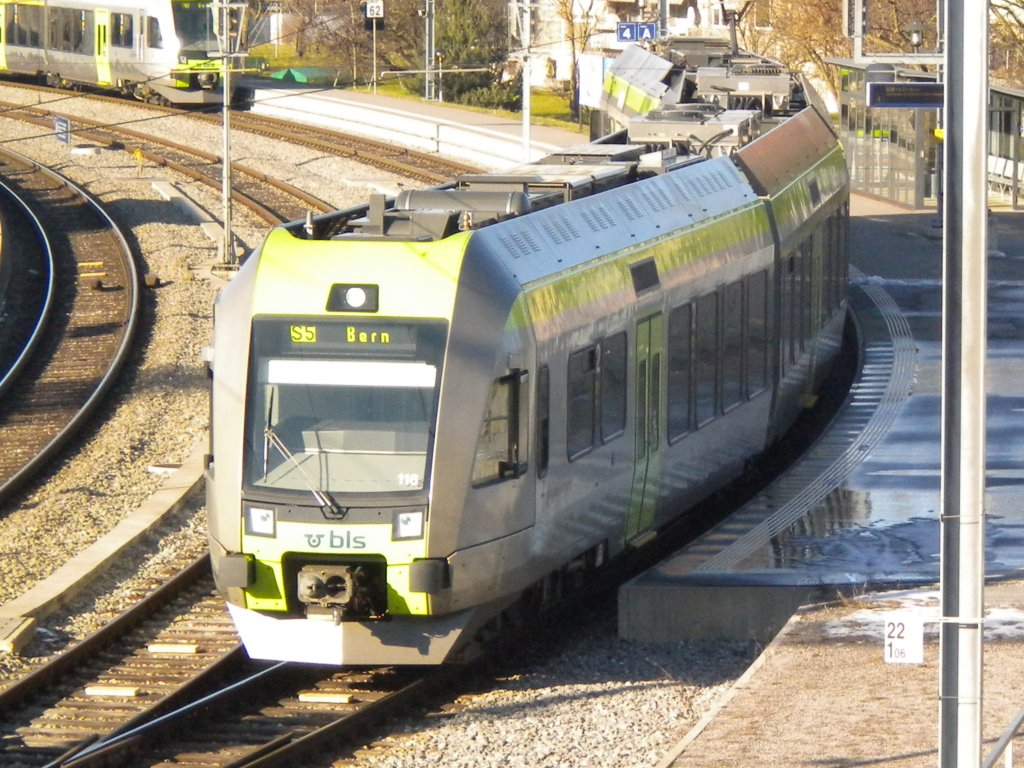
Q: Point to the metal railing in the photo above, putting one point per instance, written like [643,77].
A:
[1004,746]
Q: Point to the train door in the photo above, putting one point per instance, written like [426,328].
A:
[647,429]
[102,47]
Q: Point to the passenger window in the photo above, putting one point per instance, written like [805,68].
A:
[122,32]
[793,307]
[732,345]
[613,386]
[502,433]
[757,332]
[679,365]
[84,36]
[706,358]
[654,406]
[543,420]
[641,409]
[581,396]
[153,37]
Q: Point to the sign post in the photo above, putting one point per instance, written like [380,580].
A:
[374,11]
[62,129]
[904,638]
[909,95]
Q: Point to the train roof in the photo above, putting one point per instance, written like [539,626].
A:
[669,141]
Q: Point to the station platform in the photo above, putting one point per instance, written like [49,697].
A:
[860,509]
[484,138]
[857,517]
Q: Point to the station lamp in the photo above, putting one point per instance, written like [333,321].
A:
[916,32]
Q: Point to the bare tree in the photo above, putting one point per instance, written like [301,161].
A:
[804,35]
[580,22]
[1006,43]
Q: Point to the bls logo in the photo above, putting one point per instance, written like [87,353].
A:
[336,540]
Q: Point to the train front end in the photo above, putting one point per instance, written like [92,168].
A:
[188,37]
[326,377]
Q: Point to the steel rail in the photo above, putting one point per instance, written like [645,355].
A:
[121,352]
[18,366]
[18,692]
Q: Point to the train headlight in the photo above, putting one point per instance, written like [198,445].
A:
[260,521]
[407,525]
[207,79]
[353,298]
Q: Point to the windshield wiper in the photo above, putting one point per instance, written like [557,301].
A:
[323,498]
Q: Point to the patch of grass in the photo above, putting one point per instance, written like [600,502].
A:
[547,106]
[283,56]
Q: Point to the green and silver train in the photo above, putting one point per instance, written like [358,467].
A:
[428,410]
[155,50]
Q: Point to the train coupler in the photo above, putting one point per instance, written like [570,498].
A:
[342,591]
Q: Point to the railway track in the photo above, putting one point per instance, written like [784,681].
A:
[271,200]
[144,663]
[26,286]
[167,682]
[68,364]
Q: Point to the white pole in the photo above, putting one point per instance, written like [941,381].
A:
[527,21]
[374,55]
[228,255]
[965,276]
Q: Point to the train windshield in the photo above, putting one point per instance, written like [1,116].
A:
[193,23]
[342,407]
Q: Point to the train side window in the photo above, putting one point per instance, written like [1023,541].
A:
[35,26]
[60,29]
[680,353]
[706,335]
[757,332]
[732,345]
[543,420]
[828,284]
[641,409]
[654,407]
[84,35]
[793,307]
[500,448]
[24,25]
[613,386]
[13,26]
[122,31]
[806,291]
[153,37]
[581,399]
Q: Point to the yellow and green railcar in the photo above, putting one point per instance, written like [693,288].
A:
[426,408]
[155,50]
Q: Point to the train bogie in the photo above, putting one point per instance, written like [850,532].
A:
[429,410]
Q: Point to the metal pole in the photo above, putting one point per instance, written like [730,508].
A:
[527,22]
[963,385]
[228,254]
[374,56]
[429,52]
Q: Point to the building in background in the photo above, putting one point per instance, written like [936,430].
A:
[594,29]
